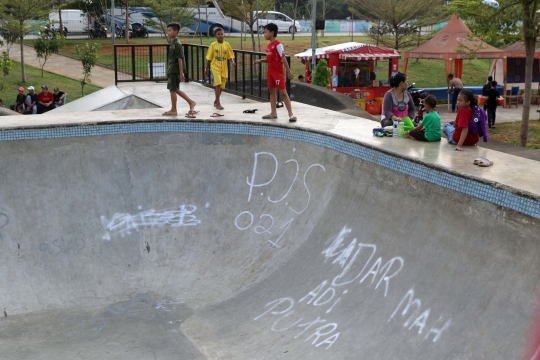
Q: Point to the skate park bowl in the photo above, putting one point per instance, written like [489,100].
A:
[152,239]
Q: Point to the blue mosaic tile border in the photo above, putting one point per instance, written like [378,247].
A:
[470,187]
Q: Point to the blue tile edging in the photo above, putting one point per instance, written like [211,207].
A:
[492,192]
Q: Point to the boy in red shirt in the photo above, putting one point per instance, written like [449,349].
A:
[458,133]
[275,57]
[45,100]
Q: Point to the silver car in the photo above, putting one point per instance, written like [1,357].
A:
[283,22]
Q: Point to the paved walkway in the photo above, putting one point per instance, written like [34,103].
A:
[104,77]
[62,65]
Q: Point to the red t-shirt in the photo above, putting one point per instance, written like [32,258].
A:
[463,118]
[274,52]
[45,98]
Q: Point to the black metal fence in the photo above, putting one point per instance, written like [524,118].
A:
[148,62]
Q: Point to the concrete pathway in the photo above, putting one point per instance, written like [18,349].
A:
[62,65]
[103,77]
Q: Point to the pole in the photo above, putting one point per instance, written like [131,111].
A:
[258,34]
[352,27]
[313,35]
[113,31]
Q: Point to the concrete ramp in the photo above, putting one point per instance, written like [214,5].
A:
[108,99]
[230,241]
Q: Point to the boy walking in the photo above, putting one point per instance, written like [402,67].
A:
[275,57]
[492,95]
[175,72]
[218,54]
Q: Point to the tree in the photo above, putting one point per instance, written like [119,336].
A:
[45,46]
[89,57]
[8,35]
[501,26]
[401,19]
[322,74]
[5,65]
[246,11]
[14,13]
[497,28]
[168,11]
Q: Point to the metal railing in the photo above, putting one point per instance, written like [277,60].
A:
[148,62]
[140,62]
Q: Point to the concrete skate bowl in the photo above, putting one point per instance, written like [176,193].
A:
[235,241]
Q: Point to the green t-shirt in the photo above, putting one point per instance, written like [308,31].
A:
[175,52]
[432,123]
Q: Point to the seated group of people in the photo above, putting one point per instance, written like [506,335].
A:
[398,106]
[33,103]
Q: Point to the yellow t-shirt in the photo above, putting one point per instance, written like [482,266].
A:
[219,54]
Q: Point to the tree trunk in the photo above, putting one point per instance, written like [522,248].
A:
[61,24]
[529,24]
[253,39]
[294,18]
[22,60]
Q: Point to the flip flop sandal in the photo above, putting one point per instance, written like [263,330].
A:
[168,113]
[292,119]
[190,116]
[279,104]
[216,115]
[250,111]
[269,117]
[193,112]
[478,161]
[485,163]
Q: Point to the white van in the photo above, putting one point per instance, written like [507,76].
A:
[75,21]
[283,22]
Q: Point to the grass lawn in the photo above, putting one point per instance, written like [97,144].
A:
[33,77]
[509,133]
[425,73]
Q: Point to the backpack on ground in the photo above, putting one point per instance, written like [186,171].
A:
[477,125]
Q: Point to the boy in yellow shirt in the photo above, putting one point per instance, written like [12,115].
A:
[218,54]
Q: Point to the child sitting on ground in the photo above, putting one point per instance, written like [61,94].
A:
[430,128]
[458,133]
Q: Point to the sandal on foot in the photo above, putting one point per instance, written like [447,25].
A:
[269,117]
[292,119]
[192,112]
[216,115]
[485,163]
[191,116]
[279,104]
[478,161]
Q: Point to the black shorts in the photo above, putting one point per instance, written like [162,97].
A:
[418,135]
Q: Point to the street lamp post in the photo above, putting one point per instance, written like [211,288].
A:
[113,31]
[313,35]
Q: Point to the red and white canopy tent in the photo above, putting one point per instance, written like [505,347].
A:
[451,44]
[351,51]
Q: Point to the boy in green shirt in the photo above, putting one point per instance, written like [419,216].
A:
[430,128]
[175,71]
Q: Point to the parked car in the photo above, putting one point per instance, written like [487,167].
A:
[283,22]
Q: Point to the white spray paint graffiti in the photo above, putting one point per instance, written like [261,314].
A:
[327,294]
[124,224]
[265,222]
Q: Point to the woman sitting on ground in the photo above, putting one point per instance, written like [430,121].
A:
[398,102]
